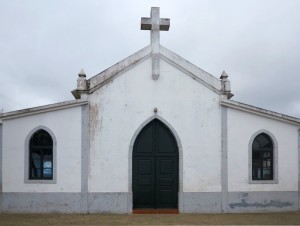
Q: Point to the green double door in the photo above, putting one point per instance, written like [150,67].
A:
[155,168]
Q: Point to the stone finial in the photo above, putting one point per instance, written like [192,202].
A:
[223,75]
[82,73]
[225,84]
[81,81]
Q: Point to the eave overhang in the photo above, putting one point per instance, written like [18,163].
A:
[260,111]
[42,109]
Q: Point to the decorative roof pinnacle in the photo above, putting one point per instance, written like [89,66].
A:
[224,75]
[81,73]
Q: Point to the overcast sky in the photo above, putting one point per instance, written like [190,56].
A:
[45,43]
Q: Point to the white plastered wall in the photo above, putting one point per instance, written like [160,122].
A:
[119,108]
[66,126]
[241,127]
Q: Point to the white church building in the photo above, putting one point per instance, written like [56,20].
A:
[151,132]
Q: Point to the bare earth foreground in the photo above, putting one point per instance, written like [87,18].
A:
[289,218]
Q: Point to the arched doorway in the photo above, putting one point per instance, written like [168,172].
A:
[155,168]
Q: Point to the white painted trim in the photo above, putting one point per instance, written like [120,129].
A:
[42,109]
[1,157]
[260,111]
[110,72]
[190,69]
[193,76]
[1,171]
[224,159]
[117,74]
[275,158]
[180,152]
[85,156]
[299,169]
[26,159]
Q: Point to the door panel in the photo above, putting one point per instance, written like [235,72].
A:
[143,184]
[145,143]
[166,143]
[167,182]
[155,168]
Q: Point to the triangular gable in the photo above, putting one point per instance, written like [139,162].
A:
[105,76]
[167,55]
[191,70]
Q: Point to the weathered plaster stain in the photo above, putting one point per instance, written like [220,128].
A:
[271,203]
[94,120]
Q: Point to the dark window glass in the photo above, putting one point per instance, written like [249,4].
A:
[262,158]
[41,156]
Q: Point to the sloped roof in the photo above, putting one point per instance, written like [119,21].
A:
[260,111]
[167,55]
[42,109]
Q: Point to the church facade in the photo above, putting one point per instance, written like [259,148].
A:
[151,132]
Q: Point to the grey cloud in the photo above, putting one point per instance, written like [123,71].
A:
[44,44]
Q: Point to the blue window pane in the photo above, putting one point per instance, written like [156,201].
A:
[47,169]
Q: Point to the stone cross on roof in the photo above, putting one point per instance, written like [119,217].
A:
[155,24]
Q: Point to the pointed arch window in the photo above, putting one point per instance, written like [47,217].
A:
[41,156]
[262,157]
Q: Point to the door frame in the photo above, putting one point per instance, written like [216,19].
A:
[130,157]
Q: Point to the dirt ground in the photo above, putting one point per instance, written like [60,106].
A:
[289,218]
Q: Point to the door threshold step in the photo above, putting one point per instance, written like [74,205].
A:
[155,211]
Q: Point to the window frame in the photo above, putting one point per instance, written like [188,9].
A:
[274,163]
[27,165]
